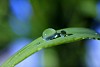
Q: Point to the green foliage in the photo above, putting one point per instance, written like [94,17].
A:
[40,43]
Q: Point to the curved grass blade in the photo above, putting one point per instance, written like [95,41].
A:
[40,43]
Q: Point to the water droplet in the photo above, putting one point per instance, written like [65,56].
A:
[49,34]
[93,38]
[98,38]
[63,33]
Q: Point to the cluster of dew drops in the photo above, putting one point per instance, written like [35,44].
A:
[50,34]
[97,38]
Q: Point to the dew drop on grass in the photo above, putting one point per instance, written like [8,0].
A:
[98,38]
[63,33]
[49,34]
[93,38]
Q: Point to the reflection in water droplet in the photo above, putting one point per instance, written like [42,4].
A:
[49,34]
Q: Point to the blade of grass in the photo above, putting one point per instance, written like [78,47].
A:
[40,43]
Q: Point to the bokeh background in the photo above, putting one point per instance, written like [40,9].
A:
[22,21]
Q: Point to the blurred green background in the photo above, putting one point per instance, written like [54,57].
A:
[55,14]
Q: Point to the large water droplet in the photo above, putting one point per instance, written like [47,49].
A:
[49,34]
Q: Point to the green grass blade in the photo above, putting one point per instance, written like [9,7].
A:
[40,43]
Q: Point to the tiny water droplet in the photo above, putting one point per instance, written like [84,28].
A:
[98,38]
[93,38]
[63,33]
[49,34]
